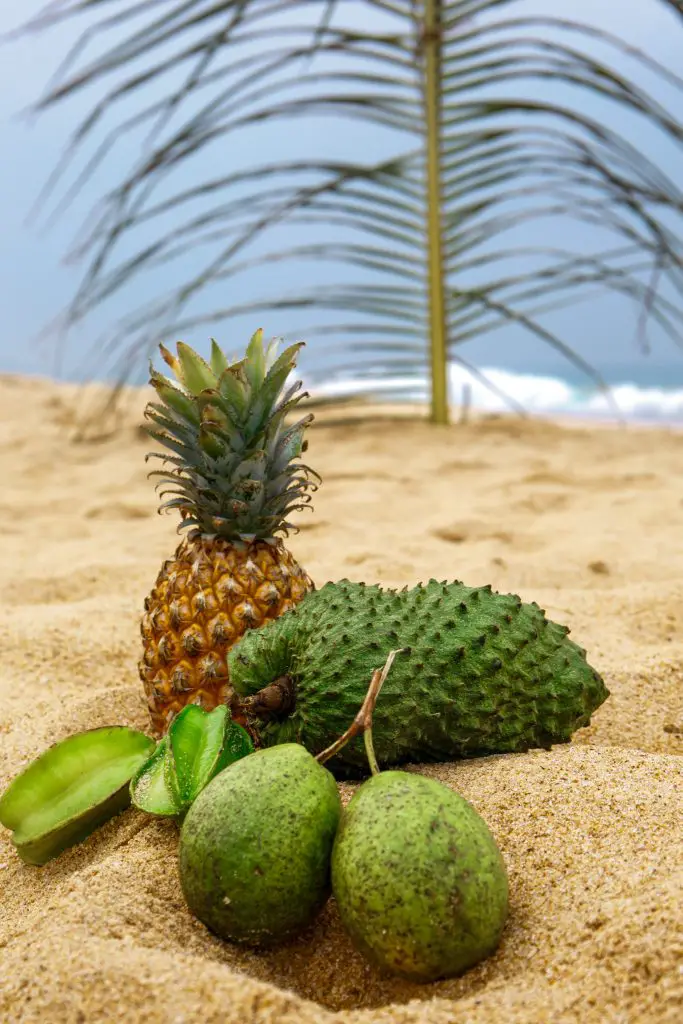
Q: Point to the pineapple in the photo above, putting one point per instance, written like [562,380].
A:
[233,473]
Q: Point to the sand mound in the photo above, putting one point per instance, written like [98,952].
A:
[587,522]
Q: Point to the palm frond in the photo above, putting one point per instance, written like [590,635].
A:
[410,236]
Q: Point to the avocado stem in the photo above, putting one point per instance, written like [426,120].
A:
[362,723]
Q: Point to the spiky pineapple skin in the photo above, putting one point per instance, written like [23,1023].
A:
[485,674]
[203,601]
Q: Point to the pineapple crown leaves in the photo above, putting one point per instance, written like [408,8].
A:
[229,464]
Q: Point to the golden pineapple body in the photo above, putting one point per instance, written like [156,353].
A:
[203,601]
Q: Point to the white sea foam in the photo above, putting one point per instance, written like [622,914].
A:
[543,395]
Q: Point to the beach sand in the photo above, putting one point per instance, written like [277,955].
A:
[587,521]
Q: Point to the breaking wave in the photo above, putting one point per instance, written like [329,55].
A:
[540,395]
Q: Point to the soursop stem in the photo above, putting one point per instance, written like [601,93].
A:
[278,698]
[362,723]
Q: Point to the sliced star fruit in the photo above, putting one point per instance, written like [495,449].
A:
[71,789]
[198,746]
[150,788]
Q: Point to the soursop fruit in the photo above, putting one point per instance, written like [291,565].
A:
[484,673]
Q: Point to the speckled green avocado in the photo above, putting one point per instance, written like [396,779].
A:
[419,881]
[255,846]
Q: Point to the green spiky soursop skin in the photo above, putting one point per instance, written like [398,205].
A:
[419,881]
[255,846]
[485,673]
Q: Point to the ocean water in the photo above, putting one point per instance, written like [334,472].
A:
[639,394]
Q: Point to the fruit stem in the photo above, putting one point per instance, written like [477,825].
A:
[362,723]
[273,701]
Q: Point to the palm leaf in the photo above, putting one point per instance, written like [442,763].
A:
[416,241]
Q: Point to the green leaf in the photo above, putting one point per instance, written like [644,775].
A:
[265,409]
[197,375]
[212,413]
[211,444]
[289,445]
[232,388]
[219,362]
[278,373]
[179,430]
[255,361]
[271,352]
[186,453]
[175,397]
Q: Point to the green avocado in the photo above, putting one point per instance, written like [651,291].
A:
[256,844]
[419,881]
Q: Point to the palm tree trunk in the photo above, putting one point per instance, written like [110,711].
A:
[432,86]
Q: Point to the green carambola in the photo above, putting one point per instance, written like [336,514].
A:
[484,673]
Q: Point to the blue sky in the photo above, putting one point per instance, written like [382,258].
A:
[35,283]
